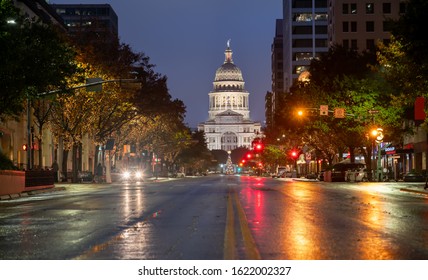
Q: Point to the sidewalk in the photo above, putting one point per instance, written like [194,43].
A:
[417,187]
[62,186]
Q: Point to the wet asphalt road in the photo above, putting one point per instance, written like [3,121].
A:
[218,217]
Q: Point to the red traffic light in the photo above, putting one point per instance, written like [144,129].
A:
[249,156]
[259,147]
[294,154]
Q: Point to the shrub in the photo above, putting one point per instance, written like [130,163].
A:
[5,163]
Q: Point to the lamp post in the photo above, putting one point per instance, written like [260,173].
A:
[378,134]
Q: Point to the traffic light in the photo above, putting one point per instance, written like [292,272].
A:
[24,147]
[249,156]
[294,154]
[259,147]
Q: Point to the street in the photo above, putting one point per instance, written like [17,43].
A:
[218,217]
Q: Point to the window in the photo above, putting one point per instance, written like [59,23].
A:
[354,44]
[345,9]
[370,44]
[321,29]
[302,17]
[387,26]
[369,26]
[302,30]
[302,43]
[353,26]
[345,44]
[345,26]
[321,43]
[353,8]
[321,16]
[369,8]
[302,56]
[386,8]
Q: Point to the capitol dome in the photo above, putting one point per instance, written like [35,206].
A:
[228,71]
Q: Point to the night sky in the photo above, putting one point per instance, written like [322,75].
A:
[186,40]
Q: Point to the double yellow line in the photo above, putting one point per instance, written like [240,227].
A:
[230,236]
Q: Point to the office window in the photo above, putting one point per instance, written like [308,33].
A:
[370,44]
[302,30]
[345,44]
[369,26]
[386,8]
[321,29]
[345,9]
[387,26]
[354,44]
[353,8]
[321,43]
[353,26]
[302,43]
[369,8]
[345,26]
[302,56]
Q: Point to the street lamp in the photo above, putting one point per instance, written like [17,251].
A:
[377,134]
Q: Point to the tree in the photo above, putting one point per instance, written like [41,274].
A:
[196,157]
[409,30]
[35,58]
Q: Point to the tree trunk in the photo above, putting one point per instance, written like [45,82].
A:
[352,154]
[97,147]
[74,160]
[40,147]
[64,164]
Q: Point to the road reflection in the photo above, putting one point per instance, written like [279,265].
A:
[136,235]
[303,221]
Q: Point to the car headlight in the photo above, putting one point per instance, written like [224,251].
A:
[126,175]
[138,174]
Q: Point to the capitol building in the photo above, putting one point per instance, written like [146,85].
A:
[229,125]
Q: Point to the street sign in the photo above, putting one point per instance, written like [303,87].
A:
[372,112]
[339,113]
[324,110]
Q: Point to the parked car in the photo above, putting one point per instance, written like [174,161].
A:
[414,177]
[338,172]
[357,175]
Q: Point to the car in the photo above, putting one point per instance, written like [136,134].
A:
[338,172]
[133,174]
[414,177]
[357,175]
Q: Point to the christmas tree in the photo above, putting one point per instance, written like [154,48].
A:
[229,165]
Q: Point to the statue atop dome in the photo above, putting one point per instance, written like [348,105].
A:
[228,43]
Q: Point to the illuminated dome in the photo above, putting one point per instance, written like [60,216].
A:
[228,71]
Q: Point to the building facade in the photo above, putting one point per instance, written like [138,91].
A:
[361,25]
[81,17]
[17,136]
[229,125]
[277,65]
[305,36]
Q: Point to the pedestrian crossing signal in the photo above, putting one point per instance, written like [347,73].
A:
[339,113]
[324,110]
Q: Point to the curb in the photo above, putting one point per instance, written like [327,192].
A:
[414,191]
[29,193]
